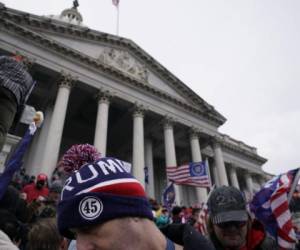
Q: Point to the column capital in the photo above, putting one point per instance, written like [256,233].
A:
[262,179]
[233,166]
[103,96]
[194,132]
[138,110]
[233,176]
[217,140]
[67,80]
[247,172]
[168,122]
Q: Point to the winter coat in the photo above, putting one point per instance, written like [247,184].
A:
[5,242]
[186,236]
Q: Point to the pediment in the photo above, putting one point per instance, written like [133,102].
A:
[120,59]
[118,56]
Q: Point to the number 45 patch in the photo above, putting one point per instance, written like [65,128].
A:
[90,208]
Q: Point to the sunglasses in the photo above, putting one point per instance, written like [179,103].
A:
[236,224]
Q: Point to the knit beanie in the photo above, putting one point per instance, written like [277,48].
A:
[97,192]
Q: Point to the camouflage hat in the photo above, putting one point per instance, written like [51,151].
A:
[227,204]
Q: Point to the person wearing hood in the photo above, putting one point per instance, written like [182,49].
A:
[37,190]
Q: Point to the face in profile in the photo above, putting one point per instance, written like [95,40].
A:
[231,234]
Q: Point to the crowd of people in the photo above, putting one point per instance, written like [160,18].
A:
[35,213]
[93,203]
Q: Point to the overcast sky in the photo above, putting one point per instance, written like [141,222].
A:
[242,57]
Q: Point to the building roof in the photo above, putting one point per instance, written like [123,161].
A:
[28,25]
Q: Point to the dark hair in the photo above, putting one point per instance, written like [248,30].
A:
[11,226]
[195,210]
[48,212]
[176,210]
[294,205]
[22,211]
[44,235]
[10,199]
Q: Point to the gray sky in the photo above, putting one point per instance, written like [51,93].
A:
[242,57]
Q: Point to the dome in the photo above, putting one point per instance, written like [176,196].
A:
[70,15]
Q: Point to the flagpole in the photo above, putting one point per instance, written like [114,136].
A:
[294,185]
[208,172]
[117,20]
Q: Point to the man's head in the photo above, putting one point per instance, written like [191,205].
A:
[10,225]
[100,192]
[195,212]
[54,193]
[44,235]
[228,215]
[41,181]
[176,211]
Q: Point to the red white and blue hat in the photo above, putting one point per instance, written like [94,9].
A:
[98,192]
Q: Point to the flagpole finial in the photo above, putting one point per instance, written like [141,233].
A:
[116,2]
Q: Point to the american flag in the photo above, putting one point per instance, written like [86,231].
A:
[202,219]
[193,174]
[203,214]
[270,206]
[116,2]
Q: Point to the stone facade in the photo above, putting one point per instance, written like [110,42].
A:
[105,90]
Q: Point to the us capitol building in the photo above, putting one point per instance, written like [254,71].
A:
[105,90]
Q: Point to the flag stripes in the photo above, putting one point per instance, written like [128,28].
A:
[193,174]
[270,206]
[202,219]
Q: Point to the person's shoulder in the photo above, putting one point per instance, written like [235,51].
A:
[187,236]
[267,241]
[174,232]
[27,187]
[5,242]
[194,240]
[268,244]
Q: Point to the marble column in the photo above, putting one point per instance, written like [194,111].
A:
[170,153]
[218,156]
[138,157]
[249,182]
[233,177]
[37,148]
[52,145]
[196,157]
[216,175]
[260,180]
[100,139]
[149,164]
